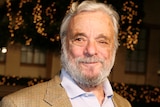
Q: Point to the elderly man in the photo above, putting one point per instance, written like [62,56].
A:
[89,44]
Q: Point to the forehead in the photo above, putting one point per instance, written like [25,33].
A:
[96,13]
[91,24]
[94,21]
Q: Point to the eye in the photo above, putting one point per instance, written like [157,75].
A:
[103,41]
[79,40]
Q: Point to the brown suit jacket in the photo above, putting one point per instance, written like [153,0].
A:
[47,94]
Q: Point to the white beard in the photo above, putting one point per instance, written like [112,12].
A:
[74,70]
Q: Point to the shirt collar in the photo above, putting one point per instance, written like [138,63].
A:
[108,88]
[73,90]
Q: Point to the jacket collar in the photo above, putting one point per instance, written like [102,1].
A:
[118,101]
[56,95]
[114,102]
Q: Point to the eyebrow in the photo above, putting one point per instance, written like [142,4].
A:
[102,36]
[98,37]
[79,34]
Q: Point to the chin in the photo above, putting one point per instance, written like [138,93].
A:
[91,72]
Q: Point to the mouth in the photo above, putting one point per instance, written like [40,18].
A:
[89,64]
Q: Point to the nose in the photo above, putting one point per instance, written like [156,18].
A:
[90,49]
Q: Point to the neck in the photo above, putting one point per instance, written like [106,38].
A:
[98,91]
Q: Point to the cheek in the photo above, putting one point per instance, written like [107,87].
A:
[107,54]
[75,52]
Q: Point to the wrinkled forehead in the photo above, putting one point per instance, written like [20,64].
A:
[95,13]
[93,19]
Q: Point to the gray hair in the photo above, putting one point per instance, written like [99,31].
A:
[90,6]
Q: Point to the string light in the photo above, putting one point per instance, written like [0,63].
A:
[38,20]
[69,6]
[50,11]
[10,25]
[130,34]
[134,93]
[129,30]
[15,21]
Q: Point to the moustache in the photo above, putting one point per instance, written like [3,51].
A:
[89,60]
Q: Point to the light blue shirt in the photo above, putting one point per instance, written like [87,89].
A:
[80,98]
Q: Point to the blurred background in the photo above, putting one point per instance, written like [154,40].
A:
[30,46]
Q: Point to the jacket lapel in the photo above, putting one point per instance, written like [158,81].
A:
[114,102]
[56,95]
[119,101]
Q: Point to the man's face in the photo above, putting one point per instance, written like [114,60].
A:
[90,47]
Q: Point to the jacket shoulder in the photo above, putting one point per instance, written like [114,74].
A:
[27,96]
[120,101]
